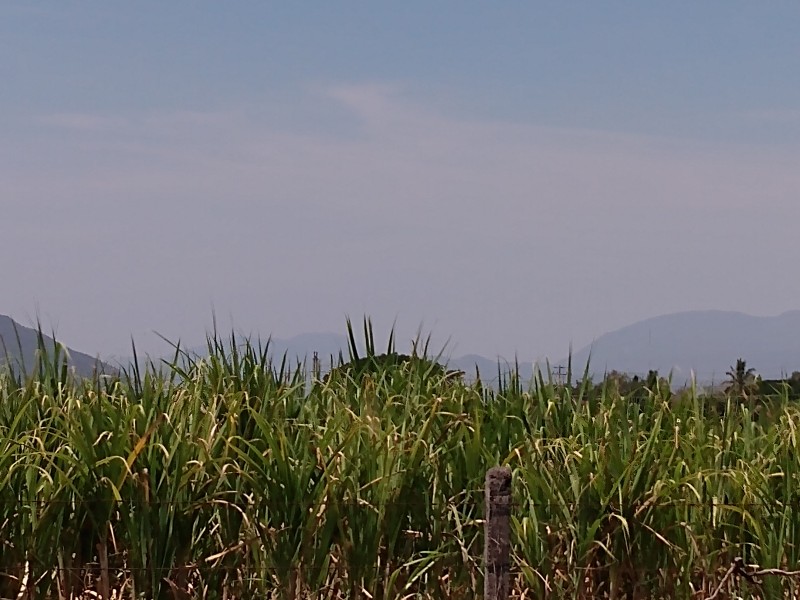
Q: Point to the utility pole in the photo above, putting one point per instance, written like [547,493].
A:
[560,372]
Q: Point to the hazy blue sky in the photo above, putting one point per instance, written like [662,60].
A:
[518,176]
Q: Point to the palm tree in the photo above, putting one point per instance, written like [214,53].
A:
[741,380]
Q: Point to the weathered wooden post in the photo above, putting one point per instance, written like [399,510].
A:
[498,533]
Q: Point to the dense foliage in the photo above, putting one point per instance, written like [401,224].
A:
[228,476]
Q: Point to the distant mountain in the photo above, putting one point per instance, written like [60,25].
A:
[18,346]
[704,342]
[488,368]
[329,345]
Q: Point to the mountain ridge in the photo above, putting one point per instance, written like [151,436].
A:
[702,343]
[19,346]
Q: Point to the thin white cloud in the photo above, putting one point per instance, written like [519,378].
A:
[378,106]
[428,159]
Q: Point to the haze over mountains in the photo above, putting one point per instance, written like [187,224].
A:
[329,345]
[705,343]
[19,344]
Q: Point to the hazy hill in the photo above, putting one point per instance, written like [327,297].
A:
[23,351]
[329,345]
[706,342]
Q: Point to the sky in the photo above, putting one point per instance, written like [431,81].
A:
[515,178]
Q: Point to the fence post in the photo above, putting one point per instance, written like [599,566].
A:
[497,540]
